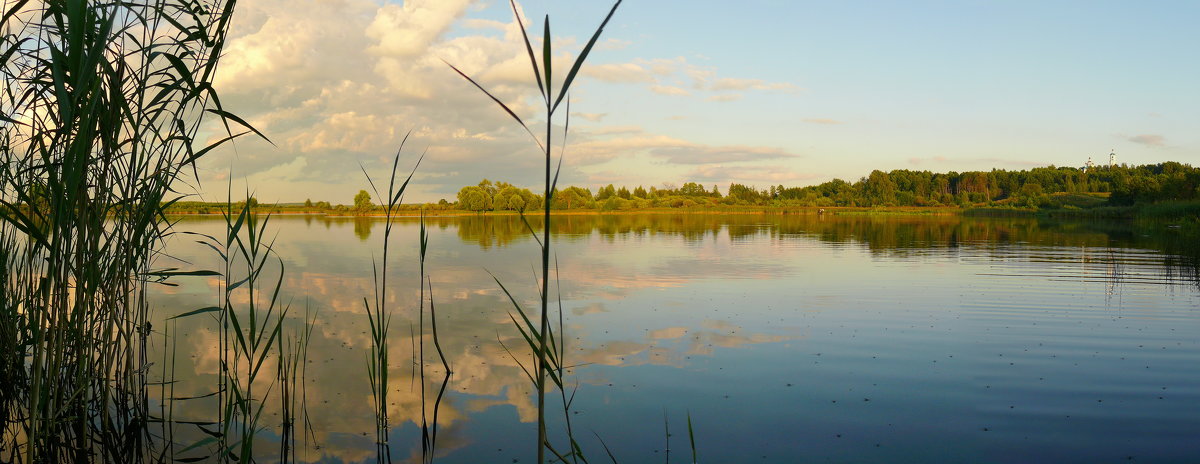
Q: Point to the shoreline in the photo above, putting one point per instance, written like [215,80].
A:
[791,210]
[1188,211]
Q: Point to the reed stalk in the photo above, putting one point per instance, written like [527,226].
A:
[379,315]
[546,364]
[100,110]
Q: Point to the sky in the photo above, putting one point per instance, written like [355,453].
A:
[758,92]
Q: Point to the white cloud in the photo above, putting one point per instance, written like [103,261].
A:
[336,83]
[409,29]
[669,90]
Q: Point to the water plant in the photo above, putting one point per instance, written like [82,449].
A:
[548,358]
[100,115]
[379,318]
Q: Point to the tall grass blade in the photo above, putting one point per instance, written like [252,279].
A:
[691,437]
[583,56]
[537,77]
[547,56]
[498,102]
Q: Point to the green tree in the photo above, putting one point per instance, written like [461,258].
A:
[879,189]
[511,198]
[1031,194]
[474,198]
[606,192]
[533,201]
[739,193]
[516,203]
[573,198]
[692,189]
[488,188]
[362,201]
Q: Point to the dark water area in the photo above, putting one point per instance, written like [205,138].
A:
[786,338]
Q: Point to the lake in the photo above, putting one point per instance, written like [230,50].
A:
[786,338]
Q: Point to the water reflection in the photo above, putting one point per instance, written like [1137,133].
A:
[362,227]
[685,312]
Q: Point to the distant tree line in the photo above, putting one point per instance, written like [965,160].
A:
[501,196]
[1032,188]
[1126,185]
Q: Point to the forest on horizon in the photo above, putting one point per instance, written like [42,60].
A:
[1036,188]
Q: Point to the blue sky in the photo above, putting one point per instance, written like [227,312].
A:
[760,93]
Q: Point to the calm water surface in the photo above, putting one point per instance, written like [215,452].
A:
[787,338]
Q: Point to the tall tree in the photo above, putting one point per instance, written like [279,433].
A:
[362,201]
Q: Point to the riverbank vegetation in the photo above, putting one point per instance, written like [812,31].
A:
[1164,190]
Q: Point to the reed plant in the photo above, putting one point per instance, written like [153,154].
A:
[379,317]
[101,109]
[547,362]
[292,355]
[250,318]
[247,340]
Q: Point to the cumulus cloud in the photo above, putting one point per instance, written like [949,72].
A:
[336,83]
[409,29]
[1150,140]
[341,82]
